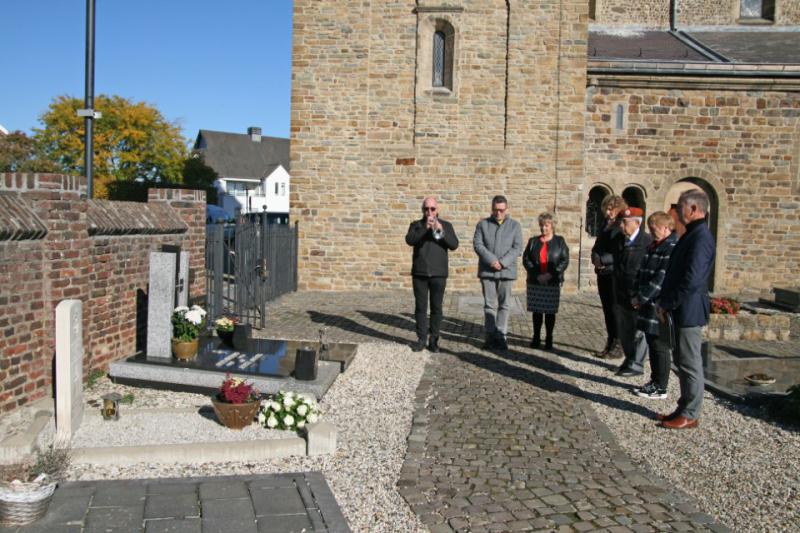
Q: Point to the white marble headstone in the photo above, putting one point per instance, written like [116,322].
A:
[69,368]
[160,304]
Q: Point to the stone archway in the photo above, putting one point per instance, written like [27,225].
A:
[712,217]
[595,218]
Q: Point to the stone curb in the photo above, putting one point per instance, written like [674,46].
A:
[18,446]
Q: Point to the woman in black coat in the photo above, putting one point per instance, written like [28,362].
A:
[545,258]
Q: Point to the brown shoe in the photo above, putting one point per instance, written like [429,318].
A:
[680,422]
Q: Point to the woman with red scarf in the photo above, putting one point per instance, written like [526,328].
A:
[545,258]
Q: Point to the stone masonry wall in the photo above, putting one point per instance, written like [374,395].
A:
[371,137]
[743,145]
[656,13]
[71,258]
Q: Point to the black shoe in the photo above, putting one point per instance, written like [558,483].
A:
[628,372]
[433,345]
[418,346]
[489,343]
[535,342]
[548,343]
[501,343]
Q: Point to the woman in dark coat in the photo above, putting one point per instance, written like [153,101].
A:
[545,258]
[650,277]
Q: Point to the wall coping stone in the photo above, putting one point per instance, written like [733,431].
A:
[18,221]
[107,217]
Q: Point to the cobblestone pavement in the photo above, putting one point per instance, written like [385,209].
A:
[503,442]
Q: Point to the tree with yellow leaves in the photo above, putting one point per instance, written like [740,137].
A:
[132,141]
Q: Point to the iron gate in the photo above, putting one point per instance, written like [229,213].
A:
[248,263]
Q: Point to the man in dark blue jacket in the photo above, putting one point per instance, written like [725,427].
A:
[431,238]
[684,296]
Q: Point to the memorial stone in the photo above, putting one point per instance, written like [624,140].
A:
[69,368]
[160,304]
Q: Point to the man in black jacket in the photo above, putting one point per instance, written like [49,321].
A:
[628,257]
[431,238]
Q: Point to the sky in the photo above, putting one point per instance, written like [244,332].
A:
[216,65]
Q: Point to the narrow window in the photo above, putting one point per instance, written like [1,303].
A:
[276,188]
[283,189]
[439,53]
[592,9]
[620,117]
[757,9]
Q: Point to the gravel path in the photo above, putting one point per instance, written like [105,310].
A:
[370,404]
[741,469]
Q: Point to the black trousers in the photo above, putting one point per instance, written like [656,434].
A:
[660,357]
[425,287]
[605,287]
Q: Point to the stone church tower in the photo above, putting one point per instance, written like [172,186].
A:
[464,99]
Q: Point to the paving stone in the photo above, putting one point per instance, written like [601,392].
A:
[221,510]
[116,494]
[223,490]
[128,518]
[173,525]
[277,501]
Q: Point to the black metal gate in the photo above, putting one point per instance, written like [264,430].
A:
[248,264]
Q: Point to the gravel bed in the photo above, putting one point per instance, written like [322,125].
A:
[740,467]
[370,405]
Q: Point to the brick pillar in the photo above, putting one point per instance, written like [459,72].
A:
[191,206]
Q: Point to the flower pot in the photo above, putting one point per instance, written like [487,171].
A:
[235,415]
[22,503]
[185,351]
[226,337]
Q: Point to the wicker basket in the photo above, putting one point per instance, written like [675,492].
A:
[22,503]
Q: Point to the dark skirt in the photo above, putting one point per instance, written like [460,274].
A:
[544,298]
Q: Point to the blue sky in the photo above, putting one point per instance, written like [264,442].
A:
[211,65]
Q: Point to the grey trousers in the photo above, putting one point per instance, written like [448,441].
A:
[633,341]
[689,361]
[496,305]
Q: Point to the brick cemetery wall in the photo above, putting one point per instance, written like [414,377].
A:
[371,135]
[54,245]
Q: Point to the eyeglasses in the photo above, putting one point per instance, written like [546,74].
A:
[429,209]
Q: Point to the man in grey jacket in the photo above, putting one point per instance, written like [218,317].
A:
[498,243]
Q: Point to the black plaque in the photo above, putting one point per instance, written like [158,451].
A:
[241,336]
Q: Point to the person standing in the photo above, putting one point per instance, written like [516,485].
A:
[651,276]
[684,296]
[545,258]
[432,239]
[603,260]
[627,259]
[498,243]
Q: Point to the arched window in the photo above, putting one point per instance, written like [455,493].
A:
[595,218]
[442,54]
[634,196]
[439,46]
[619,119]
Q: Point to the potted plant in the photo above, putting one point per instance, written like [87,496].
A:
[236,403]
[187,322]
[26,488]
[288,410]
[224,327]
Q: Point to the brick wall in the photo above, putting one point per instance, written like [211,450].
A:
[54,245]
[370,137]
[741,144]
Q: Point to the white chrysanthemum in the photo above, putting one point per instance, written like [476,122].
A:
[288,421]
[288,402]
[275,406]
[272,422]
[312,418]
[194,317]
[181,309]
[199,310]
[301,424]
[261,417]
[302,410]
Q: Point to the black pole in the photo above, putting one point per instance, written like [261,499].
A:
[89,100]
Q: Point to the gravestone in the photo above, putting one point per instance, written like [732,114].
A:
[69,368]
[160,304]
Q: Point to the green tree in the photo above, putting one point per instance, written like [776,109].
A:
[132,141]
[198,175]
[19,153]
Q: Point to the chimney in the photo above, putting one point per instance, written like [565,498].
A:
[254,133]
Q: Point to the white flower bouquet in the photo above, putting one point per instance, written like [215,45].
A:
[288,410]
[187,322]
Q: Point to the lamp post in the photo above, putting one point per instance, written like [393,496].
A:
[88,113]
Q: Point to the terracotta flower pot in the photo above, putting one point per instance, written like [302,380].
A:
[185,351]
[235,415]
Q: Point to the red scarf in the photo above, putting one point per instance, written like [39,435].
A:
[543,256]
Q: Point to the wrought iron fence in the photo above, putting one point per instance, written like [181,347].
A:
[248,263]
